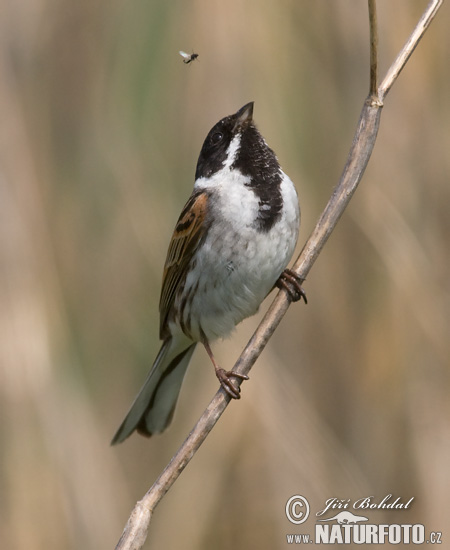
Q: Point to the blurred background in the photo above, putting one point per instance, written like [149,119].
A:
[101,127]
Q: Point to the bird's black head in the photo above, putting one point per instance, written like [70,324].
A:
[215,150]
[248,151]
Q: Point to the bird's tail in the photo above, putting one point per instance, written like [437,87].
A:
[153,408]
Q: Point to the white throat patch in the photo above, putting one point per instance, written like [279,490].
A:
[232,150]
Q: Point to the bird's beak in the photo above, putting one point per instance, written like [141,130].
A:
[244,115]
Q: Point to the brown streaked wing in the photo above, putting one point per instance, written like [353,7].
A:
[187,236]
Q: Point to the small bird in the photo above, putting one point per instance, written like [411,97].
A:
[188,57]
[230,248]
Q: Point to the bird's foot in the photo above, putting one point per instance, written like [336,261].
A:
[223,375]
[225,379]
[292,283]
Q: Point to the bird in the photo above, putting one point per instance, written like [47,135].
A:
[229,250]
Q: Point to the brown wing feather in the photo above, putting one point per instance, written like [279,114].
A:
[187,236]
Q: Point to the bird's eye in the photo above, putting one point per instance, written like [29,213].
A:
[216,138]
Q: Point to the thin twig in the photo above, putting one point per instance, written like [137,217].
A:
[135,532]
[396,67]
[373,48]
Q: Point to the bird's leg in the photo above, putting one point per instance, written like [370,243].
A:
[292,283]
[223,375]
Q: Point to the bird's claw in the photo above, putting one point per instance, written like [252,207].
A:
[292,283]
[225,377]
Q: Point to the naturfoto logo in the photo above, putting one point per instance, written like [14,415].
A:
[346,527]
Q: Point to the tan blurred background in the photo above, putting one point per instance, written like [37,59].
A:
[101,126]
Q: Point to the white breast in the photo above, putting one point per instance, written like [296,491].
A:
[237,265]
